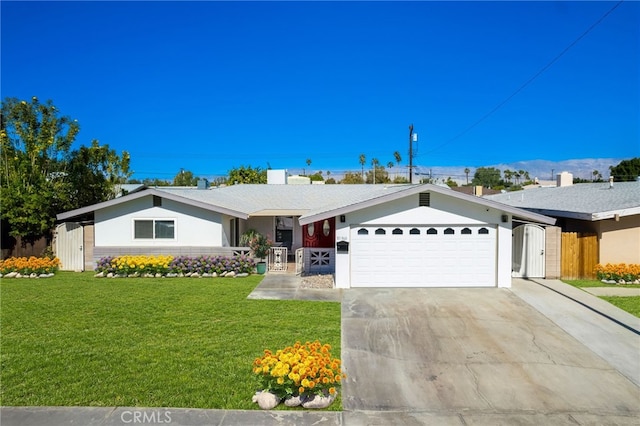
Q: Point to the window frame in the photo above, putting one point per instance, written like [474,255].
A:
[153,228]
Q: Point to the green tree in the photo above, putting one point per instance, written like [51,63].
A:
[486,176]
[626,170]
[41,176]
[466,172]
[363,161]
[96,174]
[451,183]
[400,179]
[185,178]
[156,182]
[352,178]
[316,177]
[247,174]
[378,174]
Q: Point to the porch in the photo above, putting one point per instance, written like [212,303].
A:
[306,260]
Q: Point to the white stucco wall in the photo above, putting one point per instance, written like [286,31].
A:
[443,210]
[194,226]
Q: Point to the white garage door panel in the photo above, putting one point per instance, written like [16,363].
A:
[424,260]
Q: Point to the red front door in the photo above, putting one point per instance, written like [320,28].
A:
[321,234]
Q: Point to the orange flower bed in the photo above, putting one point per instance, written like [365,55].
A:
[31,265]
[618,271]
[301,369]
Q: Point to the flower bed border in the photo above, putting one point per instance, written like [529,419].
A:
[618,273]
[161,266]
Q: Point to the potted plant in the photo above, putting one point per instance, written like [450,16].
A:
[260,245]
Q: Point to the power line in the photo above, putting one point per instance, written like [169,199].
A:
[530,80]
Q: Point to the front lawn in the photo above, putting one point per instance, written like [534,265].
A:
[630,304]
[75,340]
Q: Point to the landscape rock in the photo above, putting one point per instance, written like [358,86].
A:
[230,274]
[266,400]
[318,401]
[294,401]
[222,274]
[11,275]
[33,275]
[99,275]
[110,275]
[215,274]
[243,274]
[158,275]
[195,275]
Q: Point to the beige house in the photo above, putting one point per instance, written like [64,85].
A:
[609,210]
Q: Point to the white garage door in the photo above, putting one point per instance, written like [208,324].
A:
[423,256]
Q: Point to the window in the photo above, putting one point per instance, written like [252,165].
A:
[432,231]
[414,231]
[424,199]
[449,231]
[466,231]
[483,231]
[363,231]
[157,201]
[154,229]
[380,231]
[397,231]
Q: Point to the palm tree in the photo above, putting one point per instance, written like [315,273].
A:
[517,176]
[363,161]
[398,159]
[466,172]
[374,163]
[508,175]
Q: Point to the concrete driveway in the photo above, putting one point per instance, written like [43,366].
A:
[473,356]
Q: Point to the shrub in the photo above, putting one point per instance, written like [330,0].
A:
[26,266]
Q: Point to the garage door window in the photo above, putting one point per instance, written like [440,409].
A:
[363,231]
[397,231]
[414,231]
[449,231]
[466,231]
[380,231]
[483,231]
[432,231]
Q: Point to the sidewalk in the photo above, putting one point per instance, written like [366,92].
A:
[613,291]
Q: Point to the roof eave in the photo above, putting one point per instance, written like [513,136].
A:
[520,213]
[314,217]
[143,193]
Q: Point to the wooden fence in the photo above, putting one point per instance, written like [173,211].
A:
[579,255]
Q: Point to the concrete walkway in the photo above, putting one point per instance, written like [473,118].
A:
[613,291]
[541,352]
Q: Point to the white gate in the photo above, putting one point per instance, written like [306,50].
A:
[528,252]
[69,240]
[278,259]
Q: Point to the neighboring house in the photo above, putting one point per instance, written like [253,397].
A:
[610,211]
[368,235]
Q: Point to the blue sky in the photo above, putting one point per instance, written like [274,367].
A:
[208,86]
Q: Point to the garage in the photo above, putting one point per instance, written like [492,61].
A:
[423,255]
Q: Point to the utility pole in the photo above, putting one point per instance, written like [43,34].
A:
[411,153]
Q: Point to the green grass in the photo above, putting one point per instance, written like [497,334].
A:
[597,283]
[75,340]
[630,304]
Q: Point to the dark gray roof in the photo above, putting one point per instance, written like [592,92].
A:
[586,201]
[310,202]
